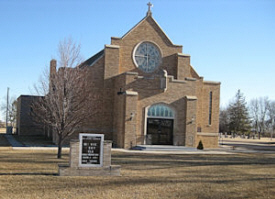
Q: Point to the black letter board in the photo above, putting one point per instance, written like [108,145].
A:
[91,149]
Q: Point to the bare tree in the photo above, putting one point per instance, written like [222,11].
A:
[12,110]
[64,105]
[254,112]
[12,113]
[259,110]
[263,109]
[271,114]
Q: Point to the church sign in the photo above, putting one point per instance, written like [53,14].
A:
[91,150]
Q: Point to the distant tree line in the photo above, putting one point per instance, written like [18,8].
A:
[254,119]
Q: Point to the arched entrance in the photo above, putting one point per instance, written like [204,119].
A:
[160,124]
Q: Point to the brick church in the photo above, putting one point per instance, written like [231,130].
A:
[150,94]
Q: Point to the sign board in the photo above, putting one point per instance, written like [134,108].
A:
[91,150]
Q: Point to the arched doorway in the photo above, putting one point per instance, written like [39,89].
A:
[160,124]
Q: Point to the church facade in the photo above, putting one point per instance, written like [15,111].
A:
[148,92]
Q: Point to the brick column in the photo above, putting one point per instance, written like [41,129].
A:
[183,66]
[111,66]
[191,110]
[131,99]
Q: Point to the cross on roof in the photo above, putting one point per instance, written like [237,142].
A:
[149,8]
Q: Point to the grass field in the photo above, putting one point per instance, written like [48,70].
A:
[33,174]
[2,130]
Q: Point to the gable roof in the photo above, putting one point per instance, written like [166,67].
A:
[149,16]
[93,59]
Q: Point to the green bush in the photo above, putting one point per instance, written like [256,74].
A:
[200,145]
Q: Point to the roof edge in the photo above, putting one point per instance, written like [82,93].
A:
[92,60]
[142,20]
[212,82]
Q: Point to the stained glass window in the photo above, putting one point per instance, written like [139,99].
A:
[147,57]
[160,110]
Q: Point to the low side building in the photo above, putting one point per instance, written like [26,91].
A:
[25,124]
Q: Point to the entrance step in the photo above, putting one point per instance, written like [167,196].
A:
[163,148]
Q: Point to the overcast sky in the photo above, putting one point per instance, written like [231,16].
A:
[231,41]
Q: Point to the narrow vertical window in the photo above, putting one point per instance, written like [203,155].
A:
[210,108]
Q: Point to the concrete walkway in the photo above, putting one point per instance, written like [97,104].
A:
[167,149]
[12,141]
[163,148]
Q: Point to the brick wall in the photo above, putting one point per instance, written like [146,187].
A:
[25,124]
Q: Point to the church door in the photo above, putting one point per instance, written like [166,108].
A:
[160,131]
[160,125]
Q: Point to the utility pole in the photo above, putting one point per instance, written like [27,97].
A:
[7,111]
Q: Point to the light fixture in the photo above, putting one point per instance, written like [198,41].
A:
[193,119]
[120,92]
[132,116]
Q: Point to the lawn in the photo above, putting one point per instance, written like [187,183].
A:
[33,174]
[2,130]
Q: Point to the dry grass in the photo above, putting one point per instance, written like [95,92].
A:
[2,130]
[33,174]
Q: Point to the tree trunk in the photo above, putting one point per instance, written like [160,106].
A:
[59,152]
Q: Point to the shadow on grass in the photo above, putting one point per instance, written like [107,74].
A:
[262,147]
[139,162]
[41,158]
[29,174]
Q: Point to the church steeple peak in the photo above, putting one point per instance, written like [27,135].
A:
[149,13]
